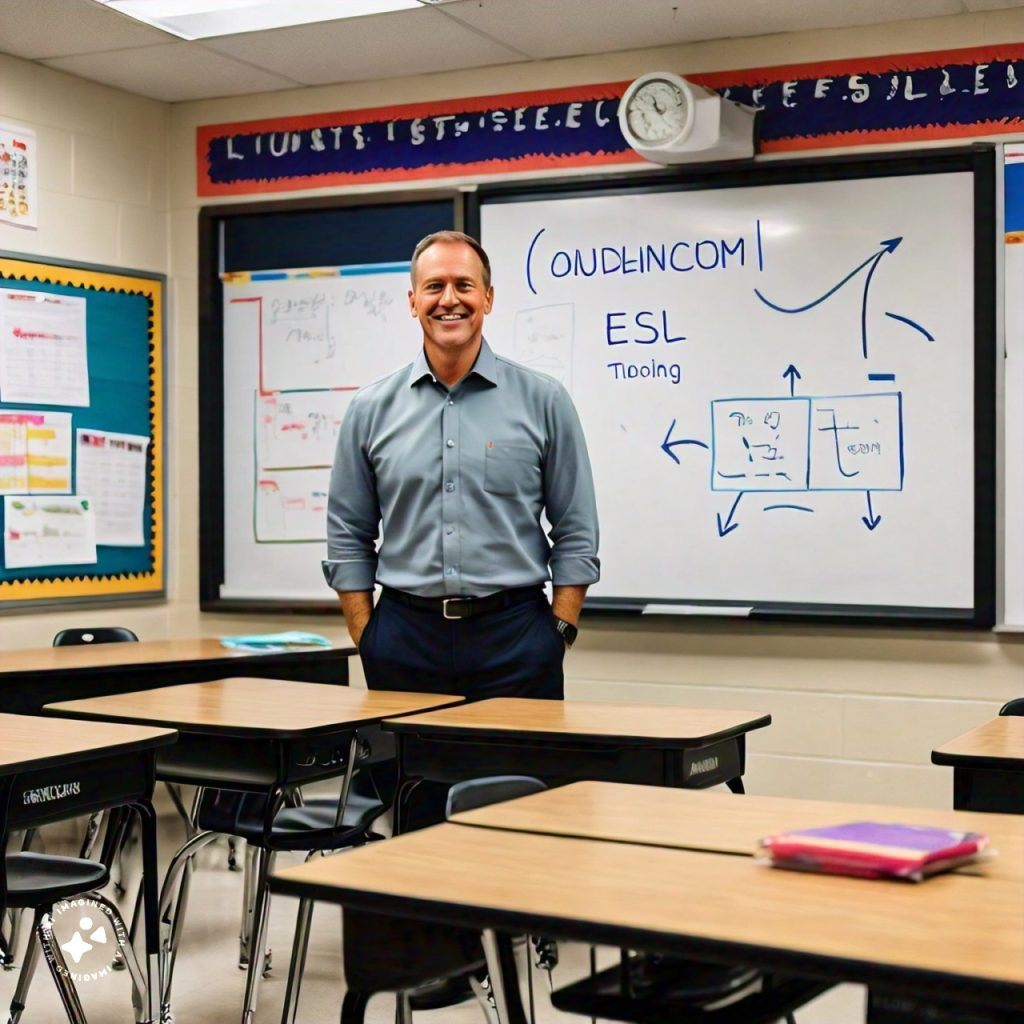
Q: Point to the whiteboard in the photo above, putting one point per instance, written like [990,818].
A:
[777,383]
[297,346]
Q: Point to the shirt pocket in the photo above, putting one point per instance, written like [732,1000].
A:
[510,468]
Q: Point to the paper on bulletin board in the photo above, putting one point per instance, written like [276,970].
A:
[111,469]
[48,531]
[35,452]
[43,355]
[19,177]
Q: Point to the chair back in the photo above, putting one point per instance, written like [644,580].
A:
[1013,707]
[492,789]
[98,635]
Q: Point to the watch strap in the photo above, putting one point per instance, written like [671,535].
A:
[567,631]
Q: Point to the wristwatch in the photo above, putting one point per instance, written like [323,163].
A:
[567,630]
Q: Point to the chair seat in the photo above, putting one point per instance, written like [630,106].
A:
[310,827]
[40,879]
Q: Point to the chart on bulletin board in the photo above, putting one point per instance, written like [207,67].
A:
[784,379]
[81,420]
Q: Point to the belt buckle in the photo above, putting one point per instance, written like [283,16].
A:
[444,608]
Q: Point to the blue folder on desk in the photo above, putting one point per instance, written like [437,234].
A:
[287,641]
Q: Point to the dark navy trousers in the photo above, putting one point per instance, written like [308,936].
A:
[512,652]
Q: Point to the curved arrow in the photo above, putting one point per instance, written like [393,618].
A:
[870,520]
[888,245]
[728,526]
[667,446]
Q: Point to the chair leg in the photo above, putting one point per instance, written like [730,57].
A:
[261,907]
[92,831]
[248,893]
[28,968]
[403,1008]
[127,951]
[173,899]
[59,969]
[353,1007]
[300,946]
[10,950]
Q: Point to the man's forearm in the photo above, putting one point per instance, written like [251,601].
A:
[566,602]
[357,607]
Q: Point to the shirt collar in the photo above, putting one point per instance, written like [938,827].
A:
[485,367]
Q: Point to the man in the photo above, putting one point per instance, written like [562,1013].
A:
[454,459]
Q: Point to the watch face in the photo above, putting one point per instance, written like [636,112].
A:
[657,111]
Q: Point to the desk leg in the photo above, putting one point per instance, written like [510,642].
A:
[151,909]
[736,785]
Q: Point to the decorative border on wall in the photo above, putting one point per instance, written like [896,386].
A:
[861,101]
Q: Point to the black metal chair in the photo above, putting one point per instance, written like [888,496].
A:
[97,635]
[37,881]
[268,828]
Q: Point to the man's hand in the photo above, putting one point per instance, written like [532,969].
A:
[566,602]
[357,607]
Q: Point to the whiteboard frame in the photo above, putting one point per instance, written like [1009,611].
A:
[979,160]
[212,222]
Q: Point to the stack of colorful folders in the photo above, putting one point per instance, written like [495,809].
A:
[872,849]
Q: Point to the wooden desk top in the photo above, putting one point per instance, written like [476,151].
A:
[145,652]
[250,706]
[30,741]
[580,720]
[998,743]
[645,897]
[717,822]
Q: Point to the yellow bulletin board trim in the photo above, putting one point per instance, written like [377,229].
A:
[27,269]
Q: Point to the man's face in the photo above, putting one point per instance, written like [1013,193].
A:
[448,297]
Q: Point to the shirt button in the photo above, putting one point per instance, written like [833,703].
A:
[450,530]
[449,486]
[450,402]
[450,443]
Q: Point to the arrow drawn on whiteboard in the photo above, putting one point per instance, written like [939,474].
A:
[728,526]
[794,375]
[888,245]
[667,446]
[870,520]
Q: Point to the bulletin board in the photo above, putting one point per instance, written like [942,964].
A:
[81,432]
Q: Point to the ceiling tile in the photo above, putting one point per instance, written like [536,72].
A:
[560,28]
[357,49]
[173,72]
[58,28]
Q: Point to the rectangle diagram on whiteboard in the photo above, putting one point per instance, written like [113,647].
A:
[825,443]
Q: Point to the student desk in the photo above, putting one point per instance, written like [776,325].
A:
[566,741]
[259,735]
[715,822]
[34,677]
[956,935]
[988,766]
[52,770]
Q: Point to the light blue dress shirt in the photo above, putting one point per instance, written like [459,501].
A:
[458,480]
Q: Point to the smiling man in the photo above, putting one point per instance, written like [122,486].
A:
[452,460]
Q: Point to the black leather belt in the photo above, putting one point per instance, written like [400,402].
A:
[464,607]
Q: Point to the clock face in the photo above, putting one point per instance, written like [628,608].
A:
[657,111]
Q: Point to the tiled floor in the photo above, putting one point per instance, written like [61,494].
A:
[208,984]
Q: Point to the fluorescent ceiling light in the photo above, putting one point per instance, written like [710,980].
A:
[203,19]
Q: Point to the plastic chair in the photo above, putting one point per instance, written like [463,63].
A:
[99,635]
[37,881]
[1013,707]
[386,954]
[268,828]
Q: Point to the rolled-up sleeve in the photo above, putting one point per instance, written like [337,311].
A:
[570,501]
[353,508]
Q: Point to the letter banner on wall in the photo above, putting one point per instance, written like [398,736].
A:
[862,101]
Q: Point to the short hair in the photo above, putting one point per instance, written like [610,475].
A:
[451,236]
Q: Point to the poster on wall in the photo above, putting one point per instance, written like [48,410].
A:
[19,177]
